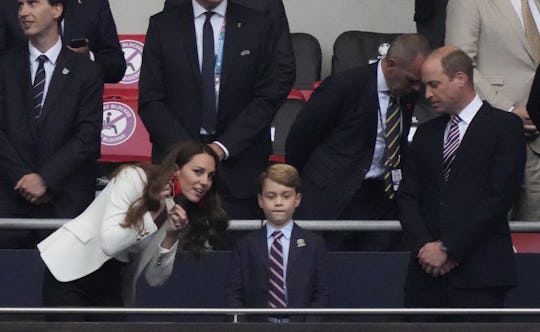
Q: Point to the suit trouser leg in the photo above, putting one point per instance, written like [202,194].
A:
[101,288]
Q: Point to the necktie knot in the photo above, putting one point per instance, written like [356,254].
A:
[209,14]
[41,59]
[277,235]
[455,120]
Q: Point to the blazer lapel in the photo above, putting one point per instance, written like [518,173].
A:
[261,248]
[24,83]
[439,146]
[59,81]
[372,100]
[464,153]
[295,250]
[187,32]
[512,19]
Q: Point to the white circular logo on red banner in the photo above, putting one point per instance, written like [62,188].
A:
[133,54]
[119,123]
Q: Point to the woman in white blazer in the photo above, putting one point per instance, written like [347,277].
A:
[135,225]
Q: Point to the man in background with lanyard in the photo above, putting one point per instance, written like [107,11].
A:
[209,74]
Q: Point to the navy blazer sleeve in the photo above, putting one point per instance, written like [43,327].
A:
[106,47]
[408,199]
[316,120]
[163,127]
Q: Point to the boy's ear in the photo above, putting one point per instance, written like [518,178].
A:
[297,200]
[260,200]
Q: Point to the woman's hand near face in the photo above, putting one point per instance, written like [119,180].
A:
[178,220]
[159,216]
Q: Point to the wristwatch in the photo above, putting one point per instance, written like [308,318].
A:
[442,247]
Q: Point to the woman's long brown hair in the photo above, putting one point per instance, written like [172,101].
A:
[207,222]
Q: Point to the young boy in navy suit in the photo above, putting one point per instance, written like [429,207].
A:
[280,265]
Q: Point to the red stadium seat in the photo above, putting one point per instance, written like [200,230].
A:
[526,242]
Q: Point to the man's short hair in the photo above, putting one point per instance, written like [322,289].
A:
[407,47]
[56,2]
[457,61]
[283,174]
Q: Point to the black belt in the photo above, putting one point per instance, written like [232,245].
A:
[208,138]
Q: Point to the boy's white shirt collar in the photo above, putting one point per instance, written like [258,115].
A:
[286,230]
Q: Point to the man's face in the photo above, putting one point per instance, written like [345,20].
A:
[442,92]
[38,17]
[404,80]
[209,4]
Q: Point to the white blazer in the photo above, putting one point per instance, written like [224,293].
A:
[84,244]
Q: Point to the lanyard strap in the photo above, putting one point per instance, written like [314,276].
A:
[219,59]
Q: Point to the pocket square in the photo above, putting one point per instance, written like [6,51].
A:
[245,52]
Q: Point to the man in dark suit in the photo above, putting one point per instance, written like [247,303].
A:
[175,102]
[338,142]
[50,123]
[89,19]
[300,278]
[463,173]
[275,11]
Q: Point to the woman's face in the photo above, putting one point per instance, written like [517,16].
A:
[196,176]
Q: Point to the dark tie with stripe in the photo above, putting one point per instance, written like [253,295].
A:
[276,287]
[451,144]
[392,140]
[209,116]
[38,88]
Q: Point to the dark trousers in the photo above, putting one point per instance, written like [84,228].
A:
[442,294]
[370,202]
[24,238]
[101,288]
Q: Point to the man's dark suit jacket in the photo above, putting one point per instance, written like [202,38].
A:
[90,19]
[247,285]
[170,90]
[332,140]
[275,10]
[63,146]
[469,212]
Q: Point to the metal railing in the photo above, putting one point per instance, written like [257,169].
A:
[235,313]
[246,225]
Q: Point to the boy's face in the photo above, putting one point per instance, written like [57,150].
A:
[278,202]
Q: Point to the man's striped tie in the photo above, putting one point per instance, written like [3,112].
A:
[277,297]
[392,140]
[38,89]
[451,144]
